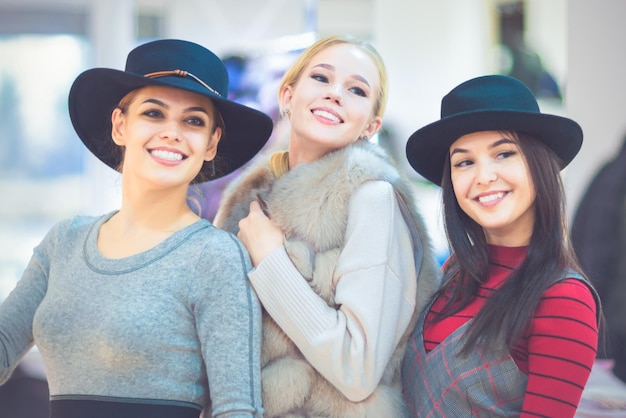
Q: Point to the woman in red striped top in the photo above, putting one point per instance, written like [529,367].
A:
[513,330]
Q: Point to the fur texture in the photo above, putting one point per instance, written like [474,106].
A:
[310,204]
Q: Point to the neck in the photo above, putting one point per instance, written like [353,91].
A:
[509,238]
[157,209]
[143,222]
[297,157]
[305,151]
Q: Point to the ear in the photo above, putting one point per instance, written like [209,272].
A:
[214,140]
[284,97]
[117,123]
[373,127]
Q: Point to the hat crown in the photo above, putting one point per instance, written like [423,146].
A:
[489,103]
[174,54]
[488,94]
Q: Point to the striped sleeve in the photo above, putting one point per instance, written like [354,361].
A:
[562,342]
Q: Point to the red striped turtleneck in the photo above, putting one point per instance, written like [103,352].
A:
[559,346]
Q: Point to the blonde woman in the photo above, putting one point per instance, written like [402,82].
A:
[342,261]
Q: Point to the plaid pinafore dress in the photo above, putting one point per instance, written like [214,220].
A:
[441,383]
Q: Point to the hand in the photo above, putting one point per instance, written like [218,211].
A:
[259,234]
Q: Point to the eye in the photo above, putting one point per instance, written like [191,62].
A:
[358,91]
[506,154]
[463,163]
[320,77]
[153,113]
[196,121]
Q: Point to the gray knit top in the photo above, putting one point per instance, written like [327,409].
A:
[161,327]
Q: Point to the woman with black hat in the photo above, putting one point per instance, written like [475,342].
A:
[146,311]
[513,331]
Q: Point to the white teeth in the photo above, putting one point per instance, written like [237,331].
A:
[167,155]
[491,197]
[326,115]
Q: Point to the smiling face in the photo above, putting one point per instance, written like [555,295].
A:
[167,134]
[332,103]
[493,186]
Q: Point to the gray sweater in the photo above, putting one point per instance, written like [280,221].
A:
[159,327]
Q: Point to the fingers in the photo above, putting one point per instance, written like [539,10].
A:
[255,206]
[258,233]
[255,212]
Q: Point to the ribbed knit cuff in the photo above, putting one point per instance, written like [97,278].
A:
[287,296]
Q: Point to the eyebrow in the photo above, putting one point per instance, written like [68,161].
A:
[163,104]
[494,145]
[355,76]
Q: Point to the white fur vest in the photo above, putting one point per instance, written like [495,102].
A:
[310,204]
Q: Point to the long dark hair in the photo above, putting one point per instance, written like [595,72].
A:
[505,315]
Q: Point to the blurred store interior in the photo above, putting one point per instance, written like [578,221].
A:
[568,51]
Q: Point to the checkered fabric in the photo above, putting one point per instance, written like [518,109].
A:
[441,383]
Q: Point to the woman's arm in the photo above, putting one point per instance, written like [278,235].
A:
[228,318]
[562,343]
[375,291]
[18,309]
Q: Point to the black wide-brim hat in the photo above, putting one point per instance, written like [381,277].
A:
[170,63]
[489,103]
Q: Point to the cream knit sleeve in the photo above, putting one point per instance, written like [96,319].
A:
[376,285]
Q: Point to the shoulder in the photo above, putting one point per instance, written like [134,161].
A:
[374,191]
[367,160]
[375,201]
[374,209]
[381,191]
[72,227]
[218,247]
[567,311]
[215,240]
[569,295]
[570,288]
[219,264]
[64,236]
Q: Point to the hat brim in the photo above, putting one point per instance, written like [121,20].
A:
[97,91]
[428,147]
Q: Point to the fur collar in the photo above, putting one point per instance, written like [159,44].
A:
[310,204]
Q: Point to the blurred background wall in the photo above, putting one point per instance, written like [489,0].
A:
[568,51]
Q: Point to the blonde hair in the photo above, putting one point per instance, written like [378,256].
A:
[294,73]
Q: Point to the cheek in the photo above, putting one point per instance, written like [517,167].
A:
[138,130]
[532,193]
[302,95]
[205,141]
[522,179]
[460,185]
[365,111]
[199,141]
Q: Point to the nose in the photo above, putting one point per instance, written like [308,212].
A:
[335,93]
[485,173]
[170,132]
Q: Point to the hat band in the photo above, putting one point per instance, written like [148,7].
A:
[182,73]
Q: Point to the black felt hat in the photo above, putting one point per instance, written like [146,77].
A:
[489,103]
[172,63]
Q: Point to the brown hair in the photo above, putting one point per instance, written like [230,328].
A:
[506,313]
